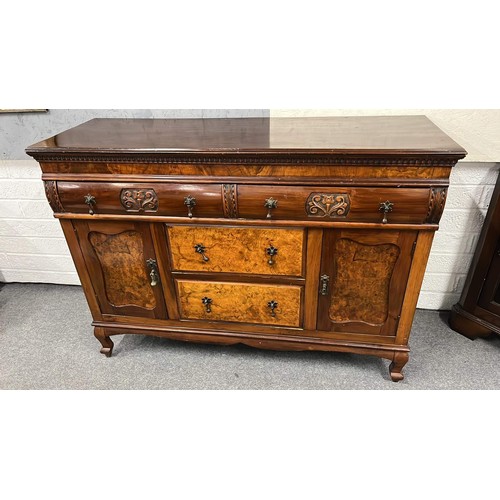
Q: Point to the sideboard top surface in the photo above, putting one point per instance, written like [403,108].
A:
[364,136]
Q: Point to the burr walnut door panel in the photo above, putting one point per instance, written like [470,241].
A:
[363,280]
[121,260]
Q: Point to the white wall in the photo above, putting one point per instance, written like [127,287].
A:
[32,245]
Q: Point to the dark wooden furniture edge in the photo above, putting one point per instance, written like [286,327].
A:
[486,244]
[267,139]
[288,180]
[469,325]
[285,157]
[467,317]
[201,221]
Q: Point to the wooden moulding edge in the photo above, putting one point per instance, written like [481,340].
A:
[256,339]
[274,223]
[406,158]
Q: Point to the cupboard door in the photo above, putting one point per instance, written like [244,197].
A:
[121,261]
[363,280]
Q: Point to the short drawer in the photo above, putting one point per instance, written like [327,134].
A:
[177,200]
[241,302]
[237,250]
[408,205]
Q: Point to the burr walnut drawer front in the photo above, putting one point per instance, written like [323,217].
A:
[363,204]
[237,250]
[240,302]
[177,200]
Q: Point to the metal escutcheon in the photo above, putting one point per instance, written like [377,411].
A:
[324,282]
[153,274]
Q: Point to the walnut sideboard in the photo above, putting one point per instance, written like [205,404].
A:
[287,233]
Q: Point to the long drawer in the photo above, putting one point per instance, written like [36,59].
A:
[364,204]
[240,302]
[244,201]
[237,250]
[177,200]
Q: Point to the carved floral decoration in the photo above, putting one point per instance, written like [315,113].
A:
[139,200]
[328,205]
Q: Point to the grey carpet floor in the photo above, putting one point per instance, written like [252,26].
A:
[46,342]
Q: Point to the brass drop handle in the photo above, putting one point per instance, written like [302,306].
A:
[270,203]
[190,203]
[153,273]
[272,305]
[91,202]
[324,282]
[272,252]
[386,207]
[207,302]
[199,248]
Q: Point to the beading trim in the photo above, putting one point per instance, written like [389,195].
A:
[250,159]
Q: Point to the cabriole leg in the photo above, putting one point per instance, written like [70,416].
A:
[106,342]
[398,361]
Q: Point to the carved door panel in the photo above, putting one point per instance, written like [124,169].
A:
[121,260]
[363,280]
